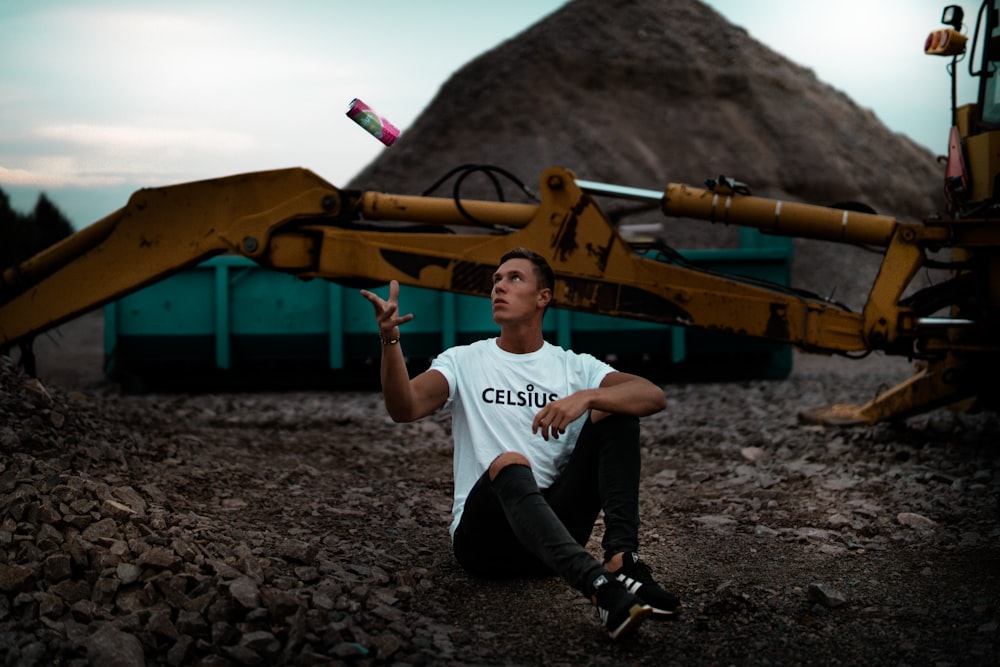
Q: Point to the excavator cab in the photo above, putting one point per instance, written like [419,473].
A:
[989,84]
[973,166]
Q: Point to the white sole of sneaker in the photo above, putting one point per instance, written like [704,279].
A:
[663,614]
[636,615]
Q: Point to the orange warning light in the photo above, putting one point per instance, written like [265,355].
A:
[945,42]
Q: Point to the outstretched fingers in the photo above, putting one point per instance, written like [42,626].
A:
[386,311]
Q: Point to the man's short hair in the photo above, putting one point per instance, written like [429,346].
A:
[543,272]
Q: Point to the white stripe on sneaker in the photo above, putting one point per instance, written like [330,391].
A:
[631,584]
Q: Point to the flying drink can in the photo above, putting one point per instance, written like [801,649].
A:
[377,125]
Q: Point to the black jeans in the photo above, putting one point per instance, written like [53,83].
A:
[602,473]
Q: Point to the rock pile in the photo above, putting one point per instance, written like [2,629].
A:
[648,92]
[101,566]
[306,528]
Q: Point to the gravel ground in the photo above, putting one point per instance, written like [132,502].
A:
[307,528]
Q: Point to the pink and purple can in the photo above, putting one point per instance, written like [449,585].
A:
[377,125]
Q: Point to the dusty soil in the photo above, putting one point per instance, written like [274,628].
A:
[306,528]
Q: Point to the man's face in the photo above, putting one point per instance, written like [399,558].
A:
[516,295]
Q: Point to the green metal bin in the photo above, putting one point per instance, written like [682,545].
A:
[230,320]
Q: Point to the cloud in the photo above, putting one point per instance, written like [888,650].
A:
[130,138]
[47,179]
[91,155]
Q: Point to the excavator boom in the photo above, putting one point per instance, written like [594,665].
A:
[295,222]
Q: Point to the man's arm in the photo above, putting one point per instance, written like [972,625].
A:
[619,393]
[627,394]
[406,400]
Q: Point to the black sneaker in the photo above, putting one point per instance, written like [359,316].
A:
[621,612]
[638,580]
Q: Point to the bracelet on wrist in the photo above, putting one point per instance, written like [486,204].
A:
[388,341]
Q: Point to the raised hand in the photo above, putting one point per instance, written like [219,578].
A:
[387,312]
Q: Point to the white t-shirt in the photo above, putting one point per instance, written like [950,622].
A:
[494,396]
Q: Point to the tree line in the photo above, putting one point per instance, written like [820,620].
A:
[25,235]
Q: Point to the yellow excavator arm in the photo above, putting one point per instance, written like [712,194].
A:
[293,221]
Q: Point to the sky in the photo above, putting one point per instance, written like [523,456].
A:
[102,97]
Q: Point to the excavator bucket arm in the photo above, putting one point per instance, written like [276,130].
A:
[293,221]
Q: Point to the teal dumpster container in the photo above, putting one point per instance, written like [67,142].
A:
[230,322]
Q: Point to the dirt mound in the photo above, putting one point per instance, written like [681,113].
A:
[646,92]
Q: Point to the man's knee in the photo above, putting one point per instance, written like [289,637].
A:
[507,459]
